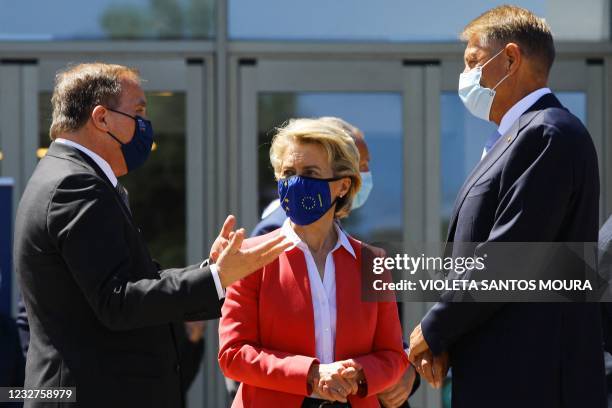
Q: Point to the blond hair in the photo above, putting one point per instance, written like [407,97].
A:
[342,153]
[505,24]
[80,88]
[353,131]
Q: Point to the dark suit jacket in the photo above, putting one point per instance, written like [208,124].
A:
[605,265]
[190,353]
[101,314]
[539,183]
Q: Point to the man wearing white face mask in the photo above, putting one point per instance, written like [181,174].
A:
[537,182]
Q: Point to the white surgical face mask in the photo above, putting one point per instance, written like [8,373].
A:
[477,99]
[366,187]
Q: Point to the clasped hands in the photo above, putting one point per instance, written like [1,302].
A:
[335,381]
[432,368]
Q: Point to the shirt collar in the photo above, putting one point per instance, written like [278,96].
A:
[343,241]
[103,164]
[515,112]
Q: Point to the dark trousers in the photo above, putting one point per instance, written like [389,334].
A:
[319,403]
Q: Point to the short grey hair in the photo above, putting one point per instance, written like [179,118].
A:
[505,24]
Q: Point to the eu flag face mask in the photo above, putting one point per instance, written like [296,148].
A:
[136,151]
[305,199]
[476,98]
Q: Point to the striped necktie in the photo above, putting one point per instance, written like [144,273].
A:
[123,193]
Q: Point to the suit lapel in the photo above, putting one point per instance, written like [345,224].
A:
[499,148]
[66,152]
[63,151]
[348,298]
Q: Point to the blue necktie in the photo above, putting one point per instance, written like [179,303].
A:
[491,141]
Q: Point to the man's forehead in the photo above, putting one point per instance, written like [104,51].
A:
[476,48]
[133,91]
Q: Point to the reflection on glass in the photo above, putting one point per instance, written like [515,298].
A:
[361,20]
[379,116]
[462,141]
[103,19]
[156,190]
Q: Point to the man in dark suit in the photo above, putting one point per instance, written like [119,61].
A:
[102,315]
[537,182]
[189,340]
[605,267]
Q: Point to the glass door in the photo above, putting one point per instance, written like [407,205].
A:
[386,100]
[168,194]
[159,195]
[578,84]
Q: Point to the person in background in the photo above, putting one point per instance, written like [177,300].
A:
[297,333]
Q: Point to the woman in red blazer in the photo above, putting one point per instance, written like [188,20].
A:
[296,333]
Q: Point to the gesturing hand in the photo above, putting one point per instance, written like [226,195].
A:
[234,263]
[223,239]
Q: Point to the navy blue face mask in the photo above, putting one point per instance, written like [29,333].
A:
[137,150]
[305,199]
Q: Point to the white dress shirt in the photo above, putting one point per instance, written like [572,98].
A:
[102,164]
[108,171]
[323,292]
[515,112]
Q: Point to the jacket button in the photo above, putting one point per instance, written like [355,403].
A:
[177,368]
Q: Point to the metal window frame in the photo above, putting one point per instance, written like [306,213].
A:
[213,183]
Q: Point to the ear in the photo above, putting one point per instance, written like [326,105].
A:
[99,118]
[515,57]
[345,186]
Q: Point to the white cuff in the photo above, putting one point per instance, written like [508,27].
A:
[214,270]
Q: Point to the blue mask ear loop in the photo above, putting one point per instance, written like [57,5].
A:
[114,137]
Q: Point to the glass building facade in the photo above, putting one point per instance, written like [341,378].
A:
[220,75]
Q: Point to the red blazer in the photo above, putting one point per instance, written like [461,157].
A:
[267,338]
